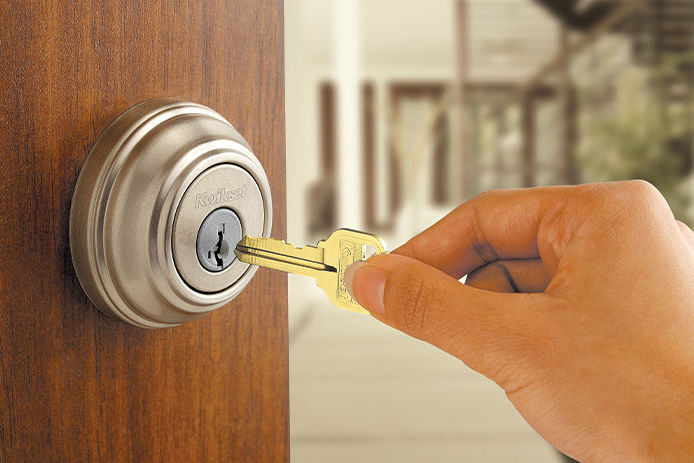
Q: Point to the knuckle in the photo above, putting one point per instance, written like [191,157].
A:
[642,198]
[642,188]
[559,223]
[638,191]
[485,196]
[481,244]
[483,248]
[629,202]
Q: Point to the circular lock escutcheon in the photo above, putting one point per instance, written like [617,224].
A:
[144,191]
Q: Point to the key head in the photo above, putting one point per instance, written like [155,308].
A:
[341,249]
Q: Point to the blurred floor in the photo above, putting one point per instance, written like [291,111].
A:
[360,391]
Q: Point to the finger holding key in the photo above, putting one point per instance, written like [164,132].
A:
[601,361]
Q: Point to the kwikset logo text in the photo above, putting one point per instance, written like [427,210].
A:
[220,196]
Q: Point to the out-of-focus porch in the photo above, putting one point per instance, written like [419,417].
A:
[399,111]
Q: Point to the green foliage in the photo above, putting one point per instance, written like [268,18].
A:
[638,133]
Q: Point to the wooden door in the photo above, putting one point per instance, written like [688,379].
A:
[74,384]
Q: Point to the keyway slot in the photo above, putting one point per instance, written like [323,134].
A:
[218,249]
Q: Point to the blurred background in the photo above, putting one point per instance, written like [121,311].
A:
[399,110]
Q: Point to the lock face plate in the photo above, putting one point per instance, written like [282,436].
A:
[222,186]
[149,182]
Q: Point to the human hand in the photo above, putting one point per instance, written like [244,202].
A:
[579,303]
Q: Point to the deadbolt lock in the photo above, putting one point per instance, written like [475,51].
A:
[164,196]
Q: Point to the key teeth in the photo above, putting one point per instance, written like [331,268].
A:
[248,238]
[250,241]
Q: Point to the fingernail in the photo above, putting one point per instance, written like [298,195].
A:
[366,283]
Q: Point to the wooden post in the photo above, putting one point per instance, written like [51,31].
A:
[368,120]
[499,161]
[568,117]
[528,139]
[462,42]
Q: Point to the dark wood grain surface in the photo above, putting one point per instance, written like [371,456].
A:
[75,385]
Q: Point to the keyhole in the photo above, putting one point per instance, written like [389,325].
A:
[218,249]
[221,228]
[217,238]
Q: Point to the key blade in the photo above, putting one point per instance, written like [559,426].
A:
[279,255]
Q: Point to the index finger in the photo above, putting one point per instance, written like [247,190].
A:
[498,225]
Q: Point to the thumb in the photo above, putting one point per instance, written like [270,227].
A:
[487,330]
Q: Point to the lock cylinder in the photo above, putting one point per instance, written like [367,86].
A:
[218,208]
[219,234]
[165,194]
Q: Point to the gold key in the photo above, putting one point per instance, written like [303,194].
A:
[325,262]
